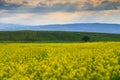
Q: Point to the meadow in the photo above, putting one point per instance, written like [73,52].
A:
[54,37]
[60,61]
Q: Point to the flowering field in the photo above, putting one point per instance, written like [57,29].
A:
[55,61]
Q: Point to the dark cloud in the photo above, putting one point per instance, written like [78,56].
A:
[62,7]
[57,7]
[106,5]
[8,6]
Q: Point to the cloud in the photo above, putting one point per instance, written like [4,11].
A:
[3,11]
[49,18]
[64,5]
[106,5]
[59,11]
[8,6]
[109,16]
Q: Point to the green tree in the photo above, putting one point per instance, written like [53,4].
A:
[85,38]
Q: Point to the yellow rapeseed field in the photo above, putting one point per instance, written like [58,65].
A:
[60,61]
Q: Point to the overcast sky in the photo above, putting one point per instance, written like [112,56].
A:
[40,12]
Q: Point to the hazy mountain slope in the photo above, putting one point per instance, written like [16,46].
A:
[101,28]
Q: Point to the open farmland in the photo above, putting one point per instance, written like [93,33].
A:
[60,61]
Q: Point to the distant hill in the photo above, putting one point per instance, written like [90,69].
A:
[86,27]
[54,36]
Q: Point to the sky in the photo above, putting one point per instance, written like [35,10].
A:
[41,12]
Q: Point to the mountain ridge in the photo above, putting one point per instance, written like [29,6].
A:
[75,27]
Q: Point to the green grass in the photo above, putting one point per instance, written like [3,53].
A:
[60,61]
[54,36]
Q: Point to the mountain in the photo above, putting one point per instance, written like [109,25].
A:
[83,27]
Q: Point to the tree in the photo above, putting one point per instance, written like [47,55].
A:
[86,38]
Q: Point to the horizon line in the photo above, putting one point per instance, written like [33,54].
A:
[59,24]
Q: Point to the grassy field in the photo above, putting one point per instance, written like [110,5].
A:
[54,36]
[60,61]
